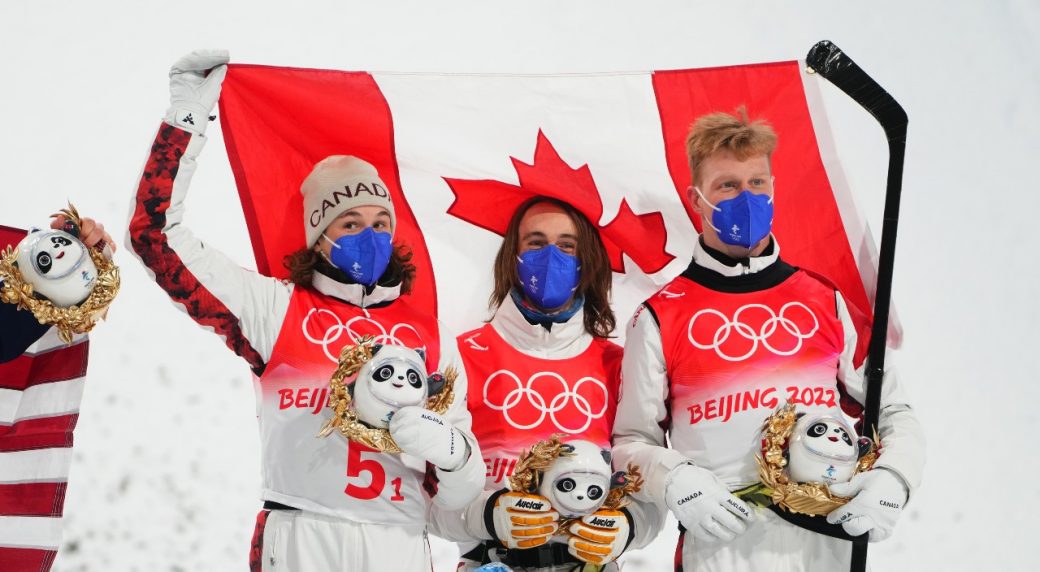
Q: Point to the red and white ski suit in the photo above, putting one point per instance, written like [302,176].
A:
[710,356]
[358,509]
[527,383]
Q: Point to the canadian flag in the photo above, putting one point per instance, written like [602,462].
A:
[40,395]
[460,152]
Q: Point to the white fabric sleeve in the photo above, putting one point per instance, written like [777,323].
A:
[647,521]
[639,432]
[465,524]
[457,488]
[902,437]
[242,306]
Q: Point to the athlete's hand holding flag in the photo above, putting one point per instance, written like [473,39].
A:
[194,88]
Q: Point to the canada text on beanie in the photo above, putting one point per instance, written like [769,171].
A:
[337,184]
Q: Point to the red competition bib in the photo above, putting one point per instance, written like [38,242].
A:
[332,475]
[517,400]
[732,358]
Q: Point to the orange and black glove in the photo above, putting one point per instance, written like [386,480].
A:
[600,537]
[520,520]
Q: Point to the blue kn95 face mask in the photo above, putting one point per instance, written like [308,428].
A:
[548,276]
[743,220]
[363,256]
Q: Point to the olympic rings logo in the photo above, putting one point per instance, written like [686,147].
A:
[762,336]
[554,408]
[354,329]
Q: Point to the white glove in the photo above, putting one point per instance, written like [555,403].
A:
[600,537]
[193,93]
[704,506]
[523,520]
[427,435]
[878,497]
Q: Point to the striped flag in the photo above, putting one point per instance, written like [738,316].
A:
[40,394]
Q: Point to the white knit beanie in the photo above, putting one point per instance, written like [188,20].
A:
[336,185]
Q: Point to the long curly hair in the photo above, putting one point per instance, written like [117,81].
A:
[304,262]
[595,281]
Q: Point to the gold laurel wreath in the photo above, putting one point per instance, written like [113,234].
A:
[344,418]
[533,463]
[813,499]
[78,319]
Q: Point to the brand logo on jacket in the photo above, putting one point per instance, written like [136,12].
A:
[665,293]
[472,341]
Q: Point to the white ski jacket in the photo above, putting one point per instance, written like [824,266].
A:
[720,432]
[248,311]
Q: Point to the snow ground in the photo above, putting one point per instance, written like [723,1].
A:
[165,475]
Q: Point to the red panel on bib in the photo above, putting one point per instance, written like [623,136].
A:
[517,400]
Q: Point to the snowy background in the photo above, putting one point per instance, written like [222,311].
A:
[165,475]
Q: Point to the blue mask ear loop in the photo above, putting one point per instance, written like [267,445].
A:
[332,242]
[326,256]
[713,207]
[772,193]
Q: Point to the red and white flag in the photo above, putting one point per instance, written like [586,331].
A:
[40,394]
[460,151]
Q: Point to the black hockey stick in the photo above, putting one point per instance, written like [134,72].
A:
[830,62]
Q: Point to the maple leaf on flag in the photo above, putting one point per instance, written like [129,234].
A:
[490,204]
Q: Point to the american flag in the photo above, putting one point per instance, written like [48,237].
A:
[40,395]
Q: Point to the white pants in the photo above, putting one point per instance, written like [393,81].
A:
[299,541]
[770,544]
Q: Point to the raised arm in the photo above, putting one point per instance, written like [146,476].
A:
[242,306]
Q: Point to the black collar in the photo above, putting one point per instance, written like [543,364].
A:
[766,278]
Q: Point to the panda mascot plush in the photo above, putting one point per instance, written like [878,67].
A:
[393,378]
[373,382]
[824,449]
[57,265]
[578,481]
[802,456]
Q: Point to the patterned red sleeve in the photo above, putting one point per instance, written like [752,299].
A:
[150,242]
